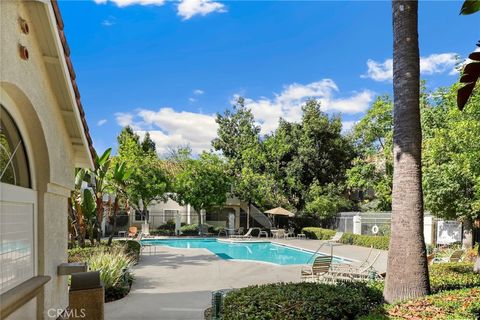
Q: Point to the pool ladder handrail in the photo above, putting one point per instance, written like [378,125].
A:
[320,247]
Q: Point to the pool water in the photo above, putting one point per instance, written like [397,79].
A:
[260,251]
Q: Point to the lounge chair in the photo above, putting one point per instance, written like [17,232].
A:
[132,232]
[456,256]
[364,271]
[319,269]
[247,235]
[338,235]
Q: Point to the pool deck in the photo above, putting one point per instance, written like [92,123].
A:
[176,284]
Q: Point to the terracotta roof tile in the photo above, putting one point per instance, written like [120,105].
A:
[71,71]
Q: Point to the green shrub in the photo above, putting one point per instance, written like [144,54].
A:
[450,276]
[300,301]
[457,304]
[378,242]
[193,229]
[114,266]
[318,233]
[190,230]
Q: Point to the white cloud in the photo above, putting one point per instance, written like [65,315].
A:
[101,122]
[288,104]
[432,64]
[198,92]
[170,128]
[192,99]
[379,71]
[108,23]
[125,3]
[348,125]
[189,8]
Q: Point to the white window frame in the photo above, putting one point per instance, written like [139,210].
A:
[12,193]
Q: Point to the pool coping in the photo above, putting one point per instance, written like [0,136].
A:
[234,241]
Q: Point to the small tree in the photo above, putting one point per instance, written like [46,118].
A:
[202,183]
[148,179]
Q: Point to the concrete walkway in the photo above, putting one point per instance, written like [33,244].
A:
[176,283]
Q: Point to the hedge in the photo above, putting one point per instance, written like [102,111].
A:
[307,301]
[378,242]
[318,233]
[456,304]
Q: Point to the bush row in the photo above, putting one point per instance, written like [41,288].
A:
[193,229]
[301,301]
[378,242]
[318,233]
[456,304]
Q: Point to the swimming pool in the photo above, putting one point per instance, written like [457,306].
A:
[260,251]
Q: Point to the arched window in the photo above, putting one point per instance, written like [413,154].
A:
[18,205]
[14,167]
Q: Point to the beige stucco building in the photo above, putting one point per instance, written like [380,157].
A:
[43,138]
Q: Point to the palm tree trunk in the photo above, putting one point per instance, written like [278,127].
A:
[114,217]
[407,270]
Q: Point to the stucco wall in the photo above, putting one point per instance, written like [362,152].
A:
[26,92]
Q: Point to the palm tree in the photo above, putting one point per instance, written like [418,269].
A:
[407,270]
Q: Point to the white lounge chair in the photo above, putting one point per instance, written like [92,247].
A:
[247,235]
[364,271]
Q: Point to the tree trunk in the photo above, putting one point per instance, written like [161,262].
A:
[99,200]
[467,238]
[407,271]
[200,224]
[114,216]
[76,224]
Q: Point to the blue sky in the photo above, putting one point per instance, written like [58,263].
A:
[168,67]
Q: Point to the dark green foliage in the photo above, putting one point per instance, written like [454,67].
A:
[450,276]
[301,301]
[318,233]
[193,230]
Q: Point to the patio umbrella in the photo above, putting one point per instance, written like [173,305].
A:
[279,211]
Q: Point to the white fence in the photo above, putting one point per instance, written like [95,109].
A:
[436,231]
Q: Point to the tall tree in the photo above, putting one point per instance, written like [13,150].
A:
[203,183]
[407,270]
[373,169]
[148,181]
